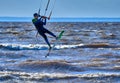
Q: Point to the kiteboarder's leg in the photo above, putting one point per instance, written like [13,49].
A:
[46,39]
[50,33]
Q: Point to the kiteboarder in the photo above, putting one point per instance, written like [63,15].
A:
[39,22]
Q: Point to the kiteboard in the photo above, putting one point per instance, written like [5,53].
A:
[57,40]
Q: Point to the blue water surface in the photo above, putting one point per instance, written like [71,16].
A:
[28,19]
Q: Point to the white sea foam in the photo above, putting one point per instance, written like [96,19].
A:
[36,46]
[25,75]
[45,47]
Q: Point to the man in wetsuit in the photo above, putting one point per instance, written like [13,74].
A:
[39,24]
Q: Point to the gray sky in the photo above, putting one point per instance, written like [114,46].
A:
[63,8]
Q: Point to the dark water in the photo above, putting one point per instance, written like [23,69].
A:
[87,53]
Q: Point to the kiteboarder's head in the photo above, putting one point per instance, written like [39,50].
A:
[36,15]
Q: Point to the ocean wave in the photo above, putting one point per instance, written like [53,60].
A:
[47,77]
[47,66]
[45,47]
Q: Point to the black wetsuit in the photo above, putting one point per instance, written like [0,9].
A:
[39,24]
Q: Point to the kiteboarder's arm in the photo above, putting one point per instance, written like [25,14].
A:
[44,17]
[41,20]
[36,21]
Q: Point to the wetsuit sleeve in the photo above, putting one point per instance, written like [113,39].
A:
[37,22]
[40,21]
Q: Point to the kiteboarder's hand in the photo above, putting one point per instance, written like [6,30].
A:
[43,17]
[48,18]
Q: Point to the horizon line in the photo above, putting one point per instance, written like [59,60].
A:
[53,17]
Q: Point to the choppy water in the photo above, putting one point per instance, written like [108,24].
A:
[87,53]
